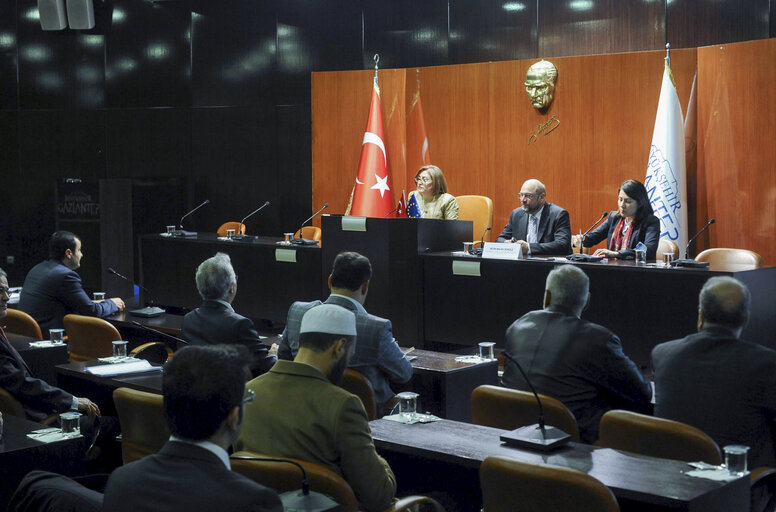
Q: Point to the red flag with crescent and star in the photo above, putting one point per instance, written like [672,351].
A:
[372,193]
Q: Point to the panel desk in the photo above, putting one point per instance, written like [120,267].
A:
[40,360]
[270,276]
[470,299]
[19,455]
[446,456]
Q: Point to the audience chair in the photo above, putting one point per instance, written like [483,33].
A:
[154,352]
[19,322]
[479,210]
[509,485]
[355,382]
[89,338]
[309,232]
[238,227]
[10,406]
[143,426]
[508,409]
[723,256]
[667,246]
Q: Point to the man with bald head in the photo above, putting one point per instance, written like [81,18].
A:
[716,381]
[538,226]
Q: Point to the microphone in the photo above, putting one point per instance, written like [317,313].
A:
[478,252]
[687,261]
[111,270]
[181,232]
[704,228]
[391,212]
[302,241]
[538,436]
[306,500]
[240,236]
[581,242]
[160,333]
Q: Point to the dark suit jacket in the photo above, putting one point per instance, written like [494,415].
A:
[187,478]
[721,385]
[647,231]
[37,397]
[553,233]
[51,291]
[577,362]
[214,323]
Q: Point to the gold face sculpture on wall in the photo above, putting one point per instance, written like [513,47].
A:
[540,84]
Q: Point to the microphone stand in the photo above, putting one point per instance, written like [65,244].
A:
[302,241]
[181,231]
[687,261]
[240,236]
[161,333]
[478,252]
[581,242]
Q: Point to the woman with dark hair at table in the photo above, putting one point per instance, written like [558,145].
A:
[432,197]
[633,222]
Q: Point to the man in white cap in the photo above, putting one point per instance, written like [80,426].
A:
[300,411]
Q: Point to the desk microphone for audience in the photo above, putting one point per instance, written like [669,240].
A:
[302,241]
[536,436]
[111,270]
[478,252]
[240,236]
[309,501]
[149,311]
[181,232]
[687,261]
[155,331]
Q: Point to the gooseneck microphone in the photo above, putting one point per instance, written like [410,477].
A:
[240,236]
[687,261]
[704,228]
[302,241]
[391,212]
[206,201]
[538,436]
[111,270]
[160,333]
[602,217]
[478,252]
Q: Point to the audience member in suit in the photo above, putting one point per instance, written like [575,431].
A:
[572,360]
[204,396]
[215,321]
[301,412]
[52,289]
[43,491]
[538,226]
[718,382]
[38,398]
[377,354]
[633,222]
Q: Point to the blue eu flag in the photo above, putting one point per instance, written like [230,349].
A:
[413,210]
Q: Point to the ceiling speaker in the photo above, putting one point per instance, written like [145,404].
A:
[52,14]
[80,14]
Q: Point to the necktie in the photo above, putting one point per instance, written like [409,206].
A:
[531,238]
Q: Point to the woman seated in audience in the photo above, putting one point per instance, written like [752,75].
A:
[432,197]
[633,222]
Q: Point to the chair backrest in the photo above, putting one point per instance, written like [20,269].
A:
[238,227]
[479,210]
[19,322]
[154,352]
[285,477]
[89,338]
[514,486]
[143,426]
[10,405]
[723,255]
[309,232]
[355,382]
[508,409]
[656,437]
[666,246]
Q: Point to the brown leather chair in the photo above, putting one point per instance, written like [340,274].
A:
[666,246]
[724,255]
[284,477]
[154,352]
[508,409]
[89,338]
[509,485]
[309,232]
[143,426]
[238,227]
[355,382]
[479,210]
[19,322]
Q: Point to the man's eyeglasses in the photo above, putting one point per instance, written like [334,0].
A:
[250,396]
[521,195]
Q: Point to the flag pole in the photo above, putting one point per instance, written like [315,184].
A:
[376,59]
[668,54]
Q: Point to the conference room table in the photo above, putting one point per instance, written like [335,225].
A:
[40,359]
[446,455]
[472,299]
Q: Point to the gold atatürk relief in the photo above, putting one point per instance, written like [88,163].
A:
[540,84]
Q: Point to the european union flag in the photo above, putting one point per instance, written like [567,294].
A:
[413,210]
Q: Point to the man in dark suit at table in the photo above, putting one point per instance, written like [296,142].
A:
[718,382]
[377,355]
[572,360]
[204,396]
[301,412]
[52,289]
[538,226]
[215,321]
[38,398]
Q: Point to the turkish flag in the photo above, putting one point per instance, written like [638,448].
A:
[372,193]
[417,140]
[401,208]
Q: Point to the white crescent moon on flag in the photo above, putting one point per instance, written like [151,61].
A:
[372,138]
[359,182]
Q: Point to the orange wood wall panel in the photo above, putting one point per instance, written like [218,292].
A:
[737,145]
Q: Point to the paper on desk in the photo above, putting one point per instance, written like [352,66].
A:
[110,370]
[50,435]
[44,343]
[719,474]
[116,359]
[419,418]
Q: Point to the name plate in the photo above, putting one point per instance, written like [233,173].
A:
[466,268]
[350,223]
[502,251]
[287,255]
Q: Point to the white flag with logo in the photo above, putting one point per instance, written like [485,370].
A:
[666,176]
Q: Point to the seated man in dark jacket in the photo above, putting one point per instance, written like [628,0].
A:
[215,321]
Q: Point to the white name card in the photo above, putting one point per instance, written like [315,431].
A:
[287,255]
[350,223]
[502,251]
